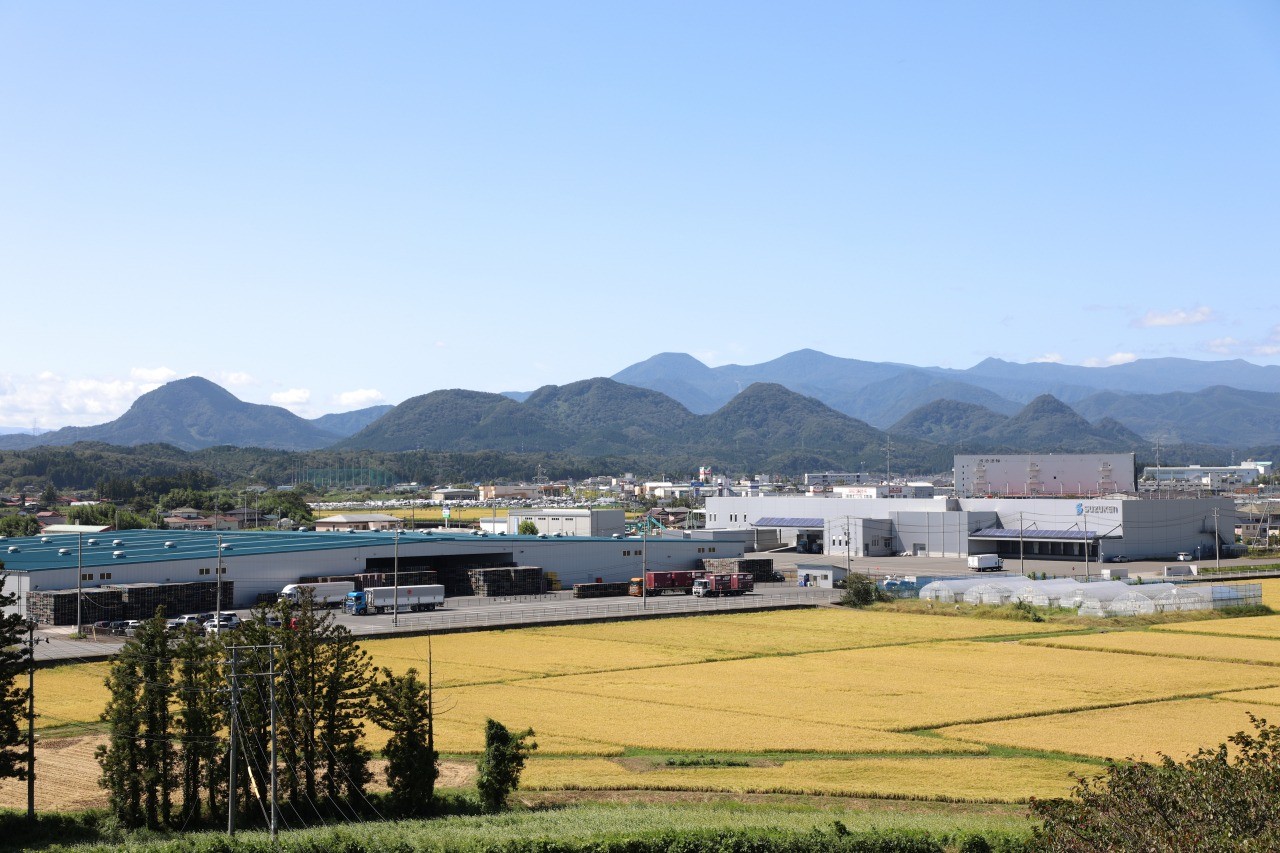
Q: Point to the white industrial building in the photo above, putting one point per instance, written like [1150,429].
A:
[1034,474]
[1208,476]
[1034,528]
[568,522]
[264,562]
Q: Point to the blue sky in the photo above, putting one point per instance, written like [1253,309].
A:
[329,205]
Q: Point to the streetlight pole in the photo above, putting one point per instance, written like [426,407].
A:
[1085,516]
[1022,548]
[217,579]
[644,564]
[79,579]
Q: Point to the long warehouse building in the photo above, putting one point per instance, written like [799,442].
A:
[261,563]
[1038,528]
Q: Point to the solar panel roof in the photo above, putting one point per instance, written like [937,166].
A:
[783,521]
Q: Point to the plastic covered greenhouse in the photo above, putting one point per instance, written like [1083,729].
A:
[954,590]
[1184,598]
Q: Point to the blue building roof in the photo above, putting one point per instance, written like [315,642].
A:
[33,554]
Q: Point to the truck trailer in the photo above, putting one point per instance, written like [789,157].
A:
[385,599]
[985,563]
[330,594]
[739,583]
[658,583]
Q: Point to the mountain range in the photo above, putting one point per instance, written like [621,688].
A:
[1230,403]
[803,411]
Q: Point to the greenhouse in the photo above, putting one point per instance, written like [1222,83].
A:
[988,593]
[1184,598]
[1101,591]
[954,590]
[1048,593]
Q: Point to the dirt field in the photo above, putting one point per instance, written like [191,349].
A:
[67,776]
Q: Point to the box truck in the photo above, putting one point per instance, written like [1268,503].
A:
[985,563]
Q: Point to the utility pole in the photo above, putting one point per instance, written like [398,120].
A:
[1085,516]
[271,692]
[79,579]
[217,575]
[231,734]
[395,592]
[273,775]
[1022,548]
[644,564]
[1217,547]
[31,720]
[848,549]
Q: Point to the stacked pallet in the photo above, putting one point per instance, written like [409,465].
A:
[456,580]
[126,601]
[522,580]
[600,590]
[58,606]
[760,568]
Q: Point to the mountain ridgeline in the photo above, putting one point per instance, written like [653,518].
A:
[1229,404]
[787,416]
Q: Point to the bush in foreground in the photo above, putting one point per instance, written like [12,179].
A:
[1213,801]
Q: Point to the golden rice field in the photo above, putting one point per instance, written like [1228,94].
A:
[1175,645]
[1267,627]
[823,701]
[1175,728]
[951,778]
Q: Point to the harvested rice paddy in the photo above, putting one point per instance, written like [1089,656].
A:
[825,701]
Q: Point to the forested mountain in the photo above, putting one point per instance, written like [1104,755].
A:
[601,416]
[190,414]
[350,423]
[883,393]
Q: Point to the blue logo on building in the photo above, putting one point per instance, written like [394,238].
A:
[1079,509]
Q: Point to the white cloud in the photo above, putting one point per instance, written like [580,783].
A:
[1176,317]
[292,397]
[237,379]
[1111,360]
[1048,358]
[1222,346]
[359,398]
[152,375]
[1267,350]
[52,401]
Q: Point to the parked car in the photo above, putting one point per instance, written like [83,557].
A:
[131,627]
[1184,556]
[117,627]
[103,625]
[226,622]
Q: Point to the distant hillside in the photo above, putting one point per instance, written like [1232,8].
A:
[456,419]
[1048,425]
[948,422]
[1217,415]
[766,423]
[882,393]
[190,414]
[350,423]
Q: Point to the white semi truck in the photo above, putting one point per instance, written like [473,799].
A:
[385,599]
[330,594]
